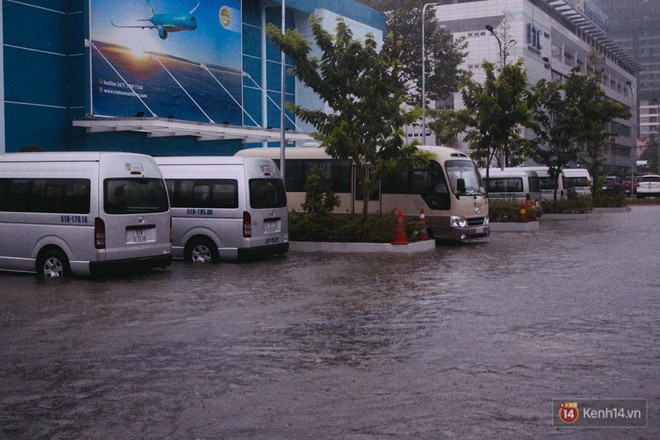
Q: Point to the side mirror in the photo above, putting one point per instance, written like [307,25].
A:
[460,186]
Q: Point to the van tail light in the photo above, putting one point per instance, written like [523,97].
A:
[247,224]
[171,226]
[99,233]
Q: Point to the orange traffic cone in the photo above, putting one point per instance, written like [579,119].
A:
[523,212]
[423,232]
[532,209]
[400,236]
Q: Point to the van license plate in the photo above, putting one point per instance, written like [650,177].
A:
[272,227]
[139,235]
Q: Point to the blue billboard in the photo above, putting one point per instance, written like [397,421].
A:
[165,58]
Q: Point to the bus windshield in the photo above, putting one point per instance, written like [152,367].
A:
[466,170]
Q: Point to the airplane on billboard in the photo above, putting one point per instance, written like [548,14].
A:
[166,23]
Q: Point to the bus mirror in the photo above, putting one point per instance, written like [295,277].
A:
[460,185]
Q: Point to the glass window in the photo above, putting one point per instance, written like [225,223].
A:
[67,196]
[505,184]
[134,196]
[267,193]
[203,193]
[466,170]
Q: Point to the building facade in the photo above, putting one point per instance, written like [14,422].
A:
[160,77]
[551,37]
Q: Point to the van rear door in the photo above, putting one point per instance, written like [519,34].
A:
[267,204]
[132,223]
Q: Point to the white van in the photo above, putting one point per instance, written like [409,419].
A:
[546,183]
[78,213]
[577,179]
[513,184]
[225,207]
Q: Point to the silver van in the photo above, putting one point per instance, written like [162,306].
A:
[225,207]
[82,212]
[578,180]
[514,184]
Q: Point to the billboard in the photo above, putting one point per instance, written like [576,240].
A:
[172,59]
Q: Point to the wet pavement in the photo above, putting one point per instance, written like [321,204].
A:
[464,342]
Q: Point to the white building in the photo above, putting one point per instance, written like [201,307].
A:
[552,37]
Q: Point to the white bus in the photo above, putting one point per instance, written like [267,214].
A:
[225,207]
[78,213]
[448,189]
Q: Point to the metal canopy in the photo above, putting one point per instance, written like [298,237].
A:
[158,127]
[577,18]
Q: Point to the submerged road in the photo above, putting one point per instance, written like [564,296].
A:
[465,342]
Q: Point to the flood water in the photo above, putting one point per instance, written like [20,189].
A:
[464,342]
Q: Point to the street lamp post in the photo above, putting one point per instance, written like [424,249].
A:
[657,136]
[424,72]
[633,161]
[490,29]
[283,98]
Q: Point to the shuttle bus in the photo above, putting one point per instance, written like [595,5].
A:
[225,207]
[448,189]
[78,213]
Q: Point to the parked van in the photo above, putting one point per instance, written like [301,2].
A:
[225,207]
[546,183]
[78,213]
[513,184]
[577,179]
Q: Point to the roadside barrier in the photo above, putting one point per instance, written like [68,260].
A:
[523,212]
[400,236]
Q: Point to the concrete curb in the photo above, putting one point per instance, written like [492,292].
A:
[610,210]
[314,246]
[514,226]
[551,217]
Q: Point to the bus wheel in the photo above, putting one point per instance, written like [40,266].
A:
[201,250]
[53,263]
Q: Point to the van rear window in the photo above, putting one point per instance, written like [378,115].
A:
[203,193]
[134,196]
[267,193]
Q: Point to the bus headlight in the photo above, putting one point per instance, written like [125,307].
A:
[458,222]
[486,221]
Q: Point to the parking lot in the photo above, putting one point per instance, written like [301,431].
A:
[463,342]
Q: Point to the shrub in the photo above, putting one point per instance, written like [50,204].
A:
[604,200]
[503,210]
[348,228]
[574,205]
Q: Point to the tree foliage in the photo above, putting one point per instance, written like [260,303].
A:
[495,113]
[557,122]
[592,110]
[360,82]
[320,199]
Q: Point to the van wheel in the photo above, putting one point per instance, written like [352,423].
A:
[53,263]
[201,250]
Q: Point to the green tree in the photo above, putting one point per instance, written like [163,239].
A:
[320,199]
[443,55]
[361,84]
[495,113]
[557,122]
[592,111]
